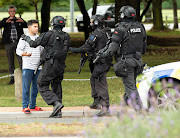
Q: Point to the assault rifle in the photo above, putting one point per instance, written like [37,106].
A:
[84,57]
[98,55]
[83,60]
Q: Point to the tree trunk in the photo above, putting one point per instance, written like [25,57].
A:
[175,14]
[94,7]
[86,19]
[45,15]
[118,5]
[36,8]
[136,5]
[147,11]
[157,15]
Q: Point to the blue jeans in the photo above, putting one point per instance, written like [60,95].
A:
[28,78]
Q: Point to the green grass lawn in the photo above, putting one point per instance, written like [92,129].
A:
[78,93]
[75,93]
[168,33]
[31,15]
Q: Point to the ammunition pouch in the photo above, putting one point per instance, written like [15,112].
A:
[140,67]
[120,68]
[137,55]
[100,69]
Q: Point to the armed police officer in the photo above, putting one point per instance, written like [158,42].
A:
[96,41]
[56,44]
[128,44]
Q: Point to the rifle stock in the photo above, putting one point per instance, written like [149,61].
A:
[102,51]
[83,60]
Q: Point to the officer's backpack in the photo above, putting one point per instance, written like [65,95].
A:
[58,49]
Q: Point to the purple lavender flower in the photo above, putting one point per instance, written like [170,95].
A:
[95,119]
[172,122]
[151,109]
[159,119]
[170,80]
[148,134]
[133,95]
[49,131]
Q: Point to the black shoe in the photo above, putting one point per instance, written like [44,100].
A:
[11,82]
[103,113]
[59,115]
[95,106]
[57,107]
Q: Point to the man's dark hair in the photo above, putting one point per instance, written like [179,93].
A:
[31,22]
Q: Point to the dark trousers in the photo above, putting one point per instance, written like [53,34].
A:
[130,82]
[10,49]
[99,86]
[51,74]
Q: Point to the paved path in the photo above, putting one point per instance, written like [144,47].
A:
[70,115]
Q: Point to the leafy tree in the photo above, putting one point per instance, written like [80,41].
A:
[157,15]
[86,19]
[45,15]
[146,11]
[175,14]
[95,3]
[21,5]
[35,4]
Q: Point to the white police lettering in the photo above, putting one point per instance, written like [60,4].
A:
[135,30]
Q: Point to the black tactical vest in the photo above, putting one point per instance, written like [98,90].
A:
[132,40]
[57,50]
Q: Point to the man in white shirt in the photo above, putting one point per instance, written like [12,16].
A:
[31,59]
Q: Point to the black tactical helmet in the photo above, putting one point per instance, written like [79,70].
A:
[58,21]
[98,20]
[127,12]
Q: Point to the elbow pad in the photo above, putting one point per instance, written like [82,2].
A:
[116,39]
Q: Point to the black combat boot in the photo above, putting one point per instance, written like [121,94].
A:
[59,115]
[104,112]
[96,104]
[57,107]
[11,81]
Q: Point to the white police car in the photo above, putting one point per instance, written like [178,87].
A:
[107,11]
[160,86]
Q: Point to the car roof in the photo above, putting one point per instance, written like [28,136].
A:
[101,9]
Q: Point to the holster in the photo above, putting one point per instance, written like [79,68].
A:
[120,68]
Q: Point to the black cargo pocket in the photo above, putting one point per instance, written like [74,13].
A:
[120,68]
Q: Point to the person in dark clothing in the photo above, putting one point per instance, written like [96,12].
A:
[13,29]
[96,41]
[128,44]
[56,44]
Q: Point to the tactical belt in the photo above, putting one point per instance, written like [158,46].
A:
[128,56]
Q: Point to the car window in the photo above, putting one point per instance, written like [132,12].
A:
[112,9]
[100,10]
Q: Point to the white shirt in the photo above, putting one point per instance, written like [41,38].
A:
[31,62]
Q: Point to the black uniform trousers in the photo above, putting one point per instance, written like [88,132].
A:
[51,74]
[10,50]
[99,86]
[130,82]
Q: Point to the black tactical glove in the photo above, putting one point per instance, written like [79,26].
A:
[74,50]
[26,38]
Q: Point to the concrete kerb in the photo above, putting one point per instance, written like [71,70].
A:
[66,113]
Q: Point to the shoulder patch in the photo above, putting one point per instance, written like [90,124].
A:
[92,37]
[116,32]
